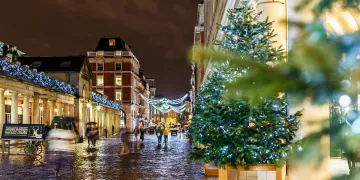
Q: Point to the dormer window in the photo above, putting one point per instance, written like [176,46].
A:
[36,64]
[65,64]
[111,42]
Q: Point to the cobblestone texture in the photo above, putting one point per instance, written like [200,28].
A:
[146,160]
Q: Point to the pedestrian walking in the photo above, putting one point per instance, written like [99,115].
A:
[59,141]
[93,135]
[136,131]
[112,130]
[105,132]
[88,129]
[124,138]
[159,134]
[166,134]
[142,133]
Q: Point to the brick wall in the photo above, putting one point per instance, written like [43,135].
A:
[126,94]
[109,79]
[126,79]
[109,67]
[110,92]
[93,66]
[126,66]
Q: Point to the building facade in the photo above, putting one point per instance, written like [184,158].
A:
[116,74]
[55,86]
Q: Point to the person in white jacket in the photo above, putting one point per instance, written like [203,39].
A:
[60,141]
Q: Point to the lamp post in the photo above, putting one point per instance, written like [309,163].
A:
[344,102]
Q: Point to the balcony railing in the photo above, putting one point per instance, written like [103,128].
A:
[109,53]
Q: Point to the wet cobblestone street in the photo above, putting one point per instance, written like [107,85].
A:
[145,161]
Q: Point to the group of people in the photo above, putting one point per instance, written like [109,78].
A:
[160,132]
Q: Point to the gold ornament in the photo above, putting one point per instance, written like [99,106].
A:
[251,124]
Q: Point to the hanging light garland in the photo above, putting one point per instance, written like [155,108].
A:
[165,105]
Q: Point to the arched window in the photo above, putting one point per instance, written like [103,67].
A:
[84,91]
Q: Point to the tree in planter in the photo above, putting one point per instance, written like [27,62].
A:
[317,70]
[235,131]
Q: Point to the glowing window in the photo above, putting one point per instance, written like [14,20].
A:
[112,42]
[118,95]
[99,80]
[65,64]
[118,80]
[36,64]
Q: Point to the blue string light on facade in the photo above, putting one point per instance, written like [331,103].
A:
[26,74]
[101,100]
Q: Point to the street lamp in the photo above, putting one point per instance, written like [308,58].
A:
[344,100]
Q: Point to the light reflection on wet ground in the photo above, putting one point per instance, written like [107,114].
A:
[146,160]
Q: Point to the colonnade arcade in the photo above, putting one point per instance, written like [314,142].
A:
[104,116]
[26,103]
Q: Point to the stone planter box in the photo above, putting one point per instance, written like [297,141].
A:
[259,172]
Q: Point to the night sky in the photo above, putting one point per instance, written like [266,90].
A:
[160,32]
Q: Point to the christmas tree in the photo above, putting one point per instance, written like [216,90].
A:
[235,131]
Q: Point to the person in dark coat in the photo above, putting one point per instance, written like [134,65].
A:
[112,130]
[159,134]
[142,132]
[105,132]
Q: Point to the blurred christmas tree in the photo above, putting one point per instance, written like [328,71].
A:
[233,131]
[322,66]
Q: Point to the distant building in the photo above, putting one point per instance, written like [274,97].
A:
[152,88]
[116,74]
[198,70]
[76,71]
[33,90]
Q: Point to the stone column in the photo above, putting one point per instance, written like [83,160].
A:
[14,108]
[26,110]
[59,112]
[108,124]
[45,111]
[2,109]
[118,121]
[72,110]
[114,121]
[308,126]
[96,115]
[79,115]
[52,109]
[36,111]
[276,10]
[66,109]
[91,118]
[103,124]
